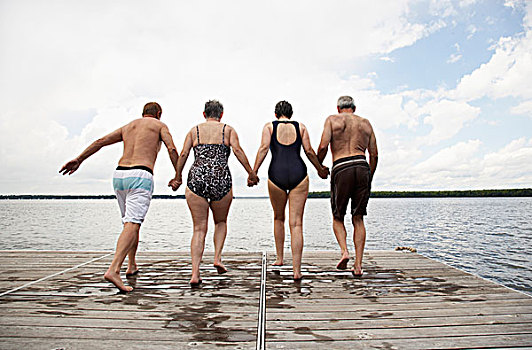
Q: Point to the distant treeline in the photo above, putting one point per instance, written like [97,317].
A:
[521,192]
[54,196]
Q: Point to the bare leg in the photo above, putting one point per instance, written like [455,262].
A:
[125,243]
[359,238]
[132,268]
[278,199]
[297,199]
[341,237]
[220,210]
[199,208]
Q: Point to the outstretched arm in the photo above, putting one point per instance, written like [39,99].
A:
[373,153]
[114,137]
[166,137]
[325,140]
[253,179]
[323,172]
[178,179]
[264,146]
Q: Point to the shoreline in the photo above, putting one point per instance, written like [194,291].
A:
[519,192]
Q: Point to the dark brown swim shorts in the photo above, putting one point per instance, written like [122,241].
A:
[350,179]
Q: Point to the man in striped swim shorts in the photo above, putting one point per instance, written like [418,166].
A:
[132,180]
[349,136]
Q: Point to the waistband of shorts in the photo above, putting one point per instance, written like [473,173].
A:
[140,167]
[350,160]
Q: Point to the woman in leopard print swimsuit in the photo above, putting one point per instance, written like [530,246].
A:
[209,184]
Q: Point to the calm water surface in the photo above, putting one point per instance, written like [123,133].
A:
[490,237]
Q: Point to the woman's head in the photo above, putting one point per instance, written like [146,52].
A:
[283,108]
[213,109]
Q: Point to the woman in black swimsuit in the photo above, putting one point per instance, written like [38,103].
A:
[287,178]
[209,182]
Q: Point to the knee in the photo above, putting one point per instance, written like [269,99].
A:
[220,221]
[200,228]
[358,219]
[278,216]
[295,222]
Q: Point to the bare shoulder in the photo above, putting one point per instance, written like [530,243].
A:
[268,126]
[302,127]
[365,124]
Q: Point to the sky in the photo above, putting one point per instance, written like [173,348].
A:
[445,84]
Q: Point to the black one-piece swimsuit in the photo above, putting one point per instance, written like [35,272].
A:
[287,168]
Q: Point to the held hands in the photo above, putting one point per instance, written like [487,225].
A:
[253,179]
[175,183]
[323,172]
[70,167]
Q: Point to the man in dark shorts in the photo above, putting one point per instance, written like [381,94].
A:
[349,136]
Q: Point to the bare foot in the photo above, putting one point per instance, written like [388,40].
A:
[115,279]
[195,281]
[298,276]
[278,262]
[220,268]
[132,270]
[357,271]
[342,264]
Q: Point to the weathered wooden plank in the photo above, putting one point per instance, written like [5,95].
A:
[382,314]
[307,334]
[413,322]
[188,333]
[9,343]
[484,341]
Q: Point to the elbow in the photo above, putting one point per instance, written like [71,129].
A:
[99,143]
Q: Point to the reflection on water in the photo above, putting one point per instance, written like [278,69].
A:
[490,237]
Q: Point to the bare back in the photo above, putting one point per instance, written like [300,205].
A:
[142,142]
[350,135]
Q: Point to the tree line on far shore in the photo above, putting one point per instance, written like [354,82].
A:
[520,192]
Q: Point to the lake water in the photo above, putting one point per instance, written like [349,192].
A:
[490,237]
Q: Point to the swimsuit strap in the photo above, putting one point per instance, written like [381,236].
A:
[223,134]
[298,131]
[197,133]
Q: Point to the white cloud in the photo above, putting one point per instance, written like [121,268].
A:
[506,73]
[447,118]
[524,108]
[454,58]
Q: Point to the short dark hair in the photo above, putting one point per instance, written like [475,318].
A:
[213,109]
[345,102]
[283,108]
[152,108]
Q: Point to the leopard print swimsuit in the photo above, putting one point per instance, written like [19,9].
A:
[209,177]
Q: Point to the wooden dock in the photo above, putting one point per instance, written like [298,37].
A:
[404,301]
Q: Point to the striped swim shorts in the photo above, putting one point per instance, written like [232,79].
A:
[134,188]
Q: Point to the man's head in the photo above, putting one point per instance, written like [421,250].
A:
[152,109]
[283,108]
[345,103]
[213,109]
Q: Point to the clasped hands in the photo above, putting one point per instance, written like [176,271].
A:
[175,183]
[253,179]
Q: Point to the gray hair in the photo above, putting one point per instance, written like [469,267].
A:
[345,102]
[213,109]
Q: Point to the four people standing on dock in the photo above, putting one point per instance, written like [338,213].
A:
[209,183]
